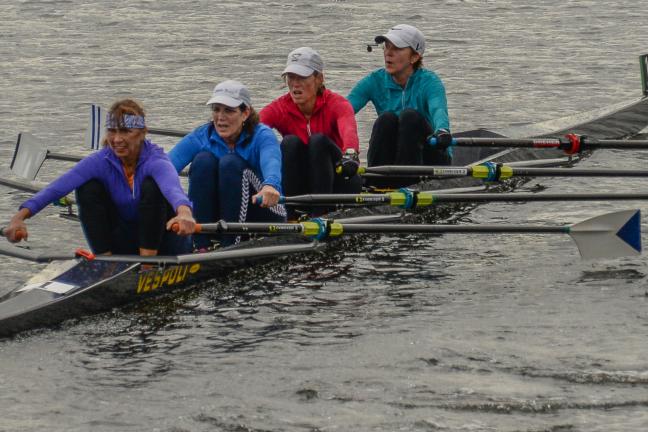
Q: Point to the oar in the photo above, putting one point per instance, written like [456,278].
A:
[30,255]
[494,172]
[610,235]
[220,255]
[34,187]
[408,199]
[523,163]
[30,154]
[570,144]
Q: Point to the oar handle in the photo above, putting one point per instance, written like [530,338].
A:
[433,141]
[21,234]
[259,200]
[176,227]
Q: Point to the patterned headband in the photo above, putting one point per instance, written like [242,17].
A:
[129,121]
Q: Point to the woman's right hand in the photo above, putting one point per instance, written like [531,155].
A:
[17,229]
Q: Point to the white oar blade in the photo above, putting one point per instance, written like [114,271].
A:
[28,156]
[611,235]
[95,130]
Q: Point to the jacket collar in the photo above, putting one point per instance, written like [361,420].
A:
[243,140]
[390,83]
[145,152]
[320,101]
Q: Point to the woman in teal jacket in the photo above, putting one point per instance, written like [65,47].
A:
[410,102]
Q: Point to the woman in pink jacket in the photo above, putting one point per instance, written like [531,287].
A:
[320,136]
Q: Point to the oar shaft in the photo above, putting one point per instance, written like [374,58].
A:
[29,255]
[332,199]
[441,229]
[167,132]
[498,171]
[526,197]
[562,144]
[63,156]
[430,171]
[577,172]
[19,185]
[336,228]
[504,142]
[424,199]
[251,228]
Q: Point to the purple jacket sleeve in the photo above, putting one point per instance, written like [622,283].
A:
[166,177]
[83,171]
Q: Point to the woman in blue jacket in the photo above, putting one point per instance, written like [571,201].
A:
[410,102]
[235,163]
[128,193]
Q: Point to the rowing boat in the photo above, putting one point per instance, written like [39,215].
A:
[76,286]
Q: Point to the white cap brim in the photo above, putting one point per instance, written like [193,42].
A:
[225,100]
[397,41]
[300,70]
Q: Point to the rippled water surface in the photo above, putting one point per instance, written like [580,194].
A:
[452,333]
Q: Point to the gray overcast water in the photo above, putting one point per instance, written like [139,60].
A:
[452,333]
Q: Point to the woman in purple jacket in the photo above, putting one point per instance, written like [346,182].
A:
[129,194]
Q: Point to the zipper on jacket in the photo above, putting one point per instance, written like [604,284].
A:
[308,127]
[403,95]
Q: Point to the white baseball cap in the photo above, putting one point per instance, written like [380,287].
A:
[230,93]
[404,35]
[303,62]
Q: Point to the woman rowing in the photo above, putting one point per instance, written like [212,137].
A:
[318,128]
[235,161]
[410,102]
[128,193]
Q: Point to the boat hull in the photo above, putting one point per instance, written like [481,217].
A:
[89,287]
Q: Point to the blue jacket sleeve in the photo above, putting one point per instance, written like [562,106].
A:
[269,158]
[360,94]
[183,153]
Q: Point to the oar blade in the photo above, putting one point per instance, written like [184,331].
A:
[611,235]
[28,157]
[95,130]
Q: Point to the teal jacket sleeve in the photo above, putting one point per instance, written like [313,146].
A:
[360,94]
[436,105]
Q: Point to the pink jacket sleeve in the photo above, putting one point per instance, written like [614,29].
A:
[269,115]
[347,126]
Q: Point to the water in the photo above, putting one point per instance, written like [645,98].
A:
[456,333]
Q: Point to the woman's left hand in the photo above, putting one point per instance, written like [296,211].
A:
[184,221]
[269,196]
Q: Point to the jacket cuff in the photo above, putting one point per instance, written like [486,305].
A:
[274,184]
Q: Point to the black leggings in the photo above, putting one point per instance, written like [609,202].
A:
[401,140]
[310,169]
[106,231]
